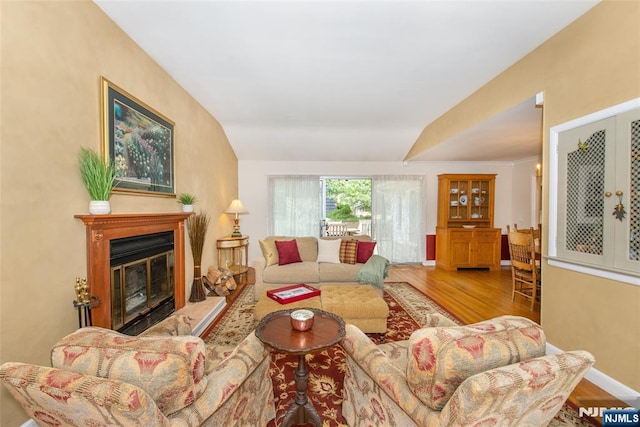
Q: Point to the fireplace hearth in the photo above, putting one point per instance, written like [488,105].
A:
[135,266]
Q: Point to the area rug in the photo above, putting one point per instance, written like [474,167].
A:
[408,309]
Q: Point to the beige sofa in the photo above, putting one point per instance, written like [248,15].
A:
[309,271]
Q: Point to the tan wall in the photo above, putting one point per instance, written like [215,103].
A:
[53,54]
[592,64]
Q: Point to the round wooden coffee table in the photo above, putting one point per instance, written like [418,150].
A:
[275,331]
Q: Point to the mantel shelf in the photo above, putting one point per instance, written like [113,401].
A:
[146,218]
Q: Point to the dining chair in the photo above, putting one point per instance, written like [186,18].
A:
[521,230]
[537,237]
[336,230]
[525,272]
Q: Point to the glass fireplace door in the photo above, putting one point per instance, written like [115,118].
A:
[140,286]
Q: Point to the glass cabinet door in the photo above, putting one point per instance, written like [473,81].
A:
[458,199]
[469,200]
[479,199]
[465,200]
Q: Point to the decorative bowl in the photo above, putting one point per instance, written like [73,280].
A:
[468,226]
[301,320]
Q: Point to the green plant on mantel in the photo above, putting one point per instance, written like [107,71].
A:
[98,176]
[187,199]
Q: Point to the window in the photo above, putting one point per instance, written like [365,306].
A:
[294,205]
[595,194]
[396,204]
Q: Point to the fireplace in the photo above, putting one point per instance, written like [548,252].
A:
[135,266]
[142,281]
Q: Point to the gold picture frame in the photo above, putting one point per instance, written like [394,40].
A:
[139,141]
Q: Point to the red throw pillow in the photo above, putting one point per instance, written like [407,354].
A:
[365,250]
[287,252]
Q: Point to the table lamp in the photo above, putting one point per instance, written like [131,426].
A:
[237,208]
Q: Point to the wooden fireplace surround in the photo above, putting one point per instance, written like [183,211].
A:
[101,229]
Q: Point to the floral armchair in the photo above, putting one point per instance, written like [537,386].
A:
[163,377]
[490,373]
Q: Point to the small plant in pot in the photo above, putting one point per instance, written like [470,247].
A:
[98,177]
[187,200]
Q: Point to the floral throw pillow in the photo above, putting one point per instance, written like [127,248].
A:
[441,358]
[170,369]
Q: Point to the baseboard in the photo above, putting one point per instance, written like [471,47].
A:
[505,262]
[605,382]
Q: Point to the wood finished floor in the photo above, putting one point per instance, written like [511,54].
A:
[474,295]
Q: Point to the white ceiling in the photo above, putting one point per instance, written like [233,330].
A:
[347,80]
[514,134]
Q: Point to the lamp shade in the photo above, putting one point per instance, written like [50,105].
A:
[236,207]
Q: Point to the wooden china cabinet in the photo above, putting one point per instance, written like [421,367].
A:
[465,237]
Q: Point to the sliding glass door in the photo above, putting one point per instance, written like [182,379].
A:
[347,206]
[392,214]
[398,217]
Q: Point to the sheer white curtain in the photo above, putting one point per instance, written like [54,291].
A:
[294,205]
[398,217]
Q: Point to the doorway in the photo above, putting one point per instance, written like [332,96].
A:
[346,206]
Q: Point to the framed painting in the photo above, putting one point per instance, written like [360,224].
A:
[140,142]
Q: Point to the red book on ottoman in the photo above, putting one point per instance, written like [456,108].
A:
[293,293]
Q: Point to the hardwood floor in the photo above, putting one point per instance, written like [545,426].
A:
[474,295]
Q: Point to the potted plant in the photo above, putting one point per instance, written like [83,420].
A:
[187,201]
[98,177]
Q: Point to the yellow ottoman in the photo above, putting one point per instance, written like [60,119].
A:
[359,305]
[266,305]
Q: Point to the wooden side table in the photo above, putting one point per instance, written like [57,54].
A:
[233,253]
[275,331]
